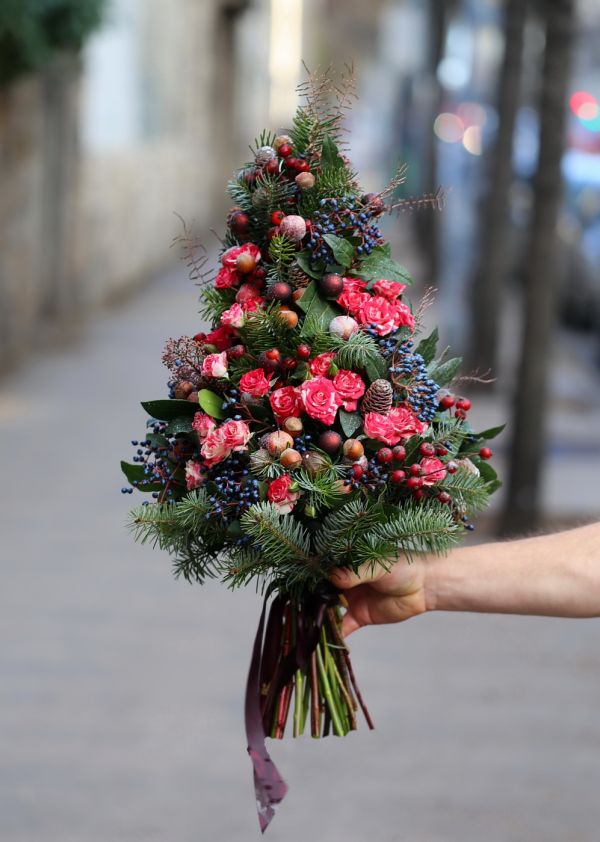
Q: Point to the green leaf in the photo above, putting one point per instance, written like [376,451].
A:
[343,251]
[426,347]
[211,403]
[303,261]
[350,421]
[330,156]
[318,310]
[378,265]
[181,424]
[444,373]
[135,473]
[491,433]
[166,410]
[376,368]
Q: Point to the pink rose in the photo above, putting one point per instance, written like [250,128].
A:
[227,277]
[203,425]
[405,422]
[235,434]
[194,476]
[250,305]
[215,365]
[388,289]
[229,257]
[234,317]
[280,495]
[403,316]
[380,428]
[379,312]
[286,403]
[353,295]
[432,471]
[214,449]
[319,365]
[350,387]
[255,383]
[320,399]
[221,337]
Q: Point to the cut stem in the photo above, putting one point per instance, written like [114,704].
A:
[338,728]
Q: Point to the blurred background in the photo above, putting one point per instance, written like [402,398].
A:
[120,691]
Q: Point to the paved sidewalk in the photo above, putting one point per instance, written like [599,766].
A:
[121,690]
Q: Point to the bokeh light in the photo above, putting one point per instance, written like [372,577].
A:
[581,99]
[472,114]
[472,140]
[449,127]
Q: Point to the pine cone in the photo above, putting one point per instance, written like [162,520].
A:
[297,278]
[378,397]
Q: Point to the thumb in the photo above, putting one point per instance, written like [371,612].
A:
[344,578]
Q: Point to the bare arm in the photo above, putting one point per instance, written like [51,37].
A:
[553,575]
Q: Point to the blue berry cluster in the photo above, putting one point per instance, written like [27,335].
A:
[422,391]
[303,443]
[343,216]
[236,490]
[375,476]
[156,456]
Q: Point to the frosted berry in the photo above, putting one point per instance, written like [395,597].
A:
[330,442]
[384,455]
[486,453]
[273,354]
[331,285]
[293,227]
[398,476]
[357,471]
[452,467]
[305,180]
[426,449]
[235,352]
[272,167]
[239,222]
[278,441]
[280,291]
[303,351]
[399,453]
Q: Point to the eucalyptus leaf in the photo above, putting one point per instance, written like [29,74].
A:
[211,403]
[491,433]
[427,347]
[343,251]
[378,265]
[167,410]
[443,373]
[318,311]
[181,424]
[350,422]
[303,261]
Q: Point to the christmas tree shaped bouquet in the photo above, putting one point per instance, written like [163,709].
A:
[309,429]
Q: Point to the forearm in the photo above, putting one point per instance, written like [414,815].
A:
[551,575]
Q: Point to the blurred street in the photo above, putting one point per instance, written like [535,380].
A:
[121,690]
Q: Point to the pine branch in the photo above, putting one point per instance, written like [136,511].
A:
[280,537]
[336,538]
[214,302]
[468,490]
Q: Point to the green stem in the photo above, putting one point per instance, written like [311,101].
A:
[298,704]
[328,695]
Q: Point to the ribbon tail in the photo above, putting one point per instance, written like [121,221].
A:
[269,786]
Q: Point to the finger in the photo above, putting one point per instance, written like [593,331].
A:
[343,578]
[349,624]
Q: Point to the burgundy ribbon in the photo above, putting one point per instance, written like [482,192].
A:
[267,669]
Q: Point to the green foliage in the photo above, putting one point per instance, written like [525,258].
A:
[135,473]
[318,311]
[379,264]
[343,251]
[282,538]
[214,302]
[468,490]
[444,372]
[350,422]
[211,403]
[167,410]
[427,347]
[266,329]
[32,31]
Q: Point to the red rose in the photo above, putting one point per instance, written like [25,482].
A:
[379,312]
[255,383]
[353,295]
[286,403]
[194,476]
[320,399]
[229,257]
[389,289]
[319,365]
[405,422]
[432,471]
[222,337]
[235,434]
[350,387]
[403,316]
[280,495]
[214,449]
[380,428]
[226,278]
[252,304]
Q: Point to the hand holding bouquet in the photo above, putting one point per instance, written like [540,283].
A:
[308,430]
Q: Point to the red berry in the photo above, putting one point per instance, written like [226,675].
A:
[444,497]
[418,494]
[452,467]
[280,291]
[276,217]
[398,476]
[446,401]
[331,285]
[272,232]
[273,354]
[461,414]
[414,482]
[463,403]
[200,337]
[357,471]
[239,222]
[415,470]
[290,363]
[285,150]
[235,352]
[441,451]
[272,167]
[303,351]
[384,455]
[426,449]
[399,453]
[302,165]
[486,453]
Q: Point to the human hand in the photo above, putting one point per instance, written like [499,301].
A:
[376,595]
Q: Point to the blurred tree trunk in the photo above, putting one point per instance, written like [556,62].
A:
[491,269]
[529,428]
[427,222]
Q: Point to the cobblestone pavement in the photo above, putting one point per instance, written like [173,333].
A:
[121,690]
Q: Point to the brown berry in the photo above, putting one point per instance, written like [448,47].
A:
[183,389]
[291,458]
[280,291]
[290,317]
[330,442]
[245,262]
[278,441]
[293,426]
[331,285]
[353,449]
